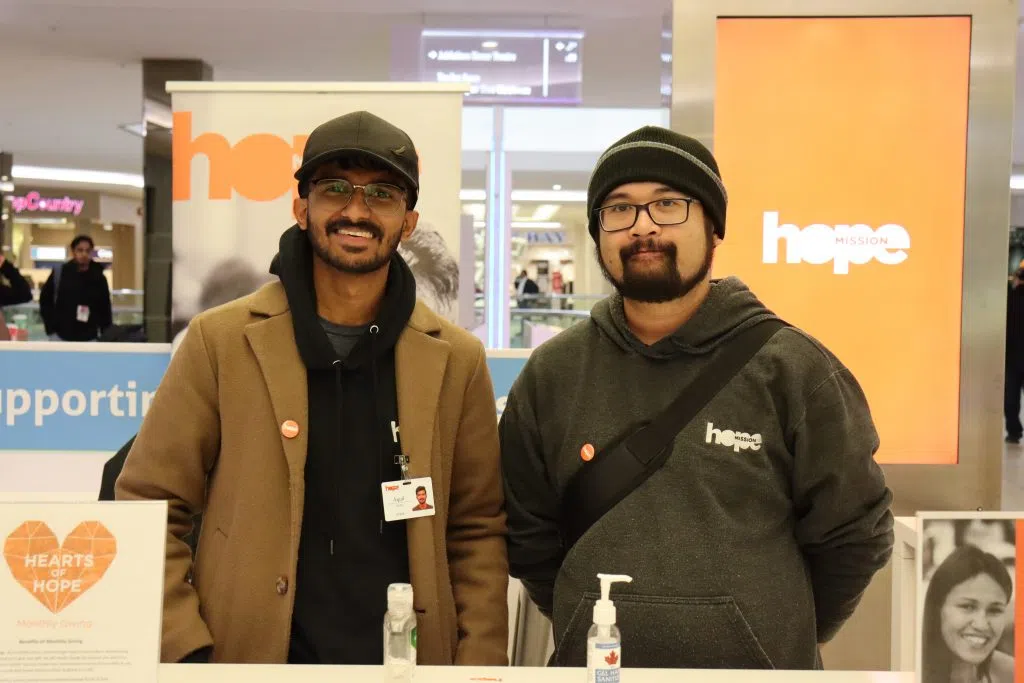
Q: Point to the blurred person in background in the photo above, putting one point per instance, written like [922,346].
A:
[525,287]
[75,301]
[14,289]
[966,609]
[1014,355]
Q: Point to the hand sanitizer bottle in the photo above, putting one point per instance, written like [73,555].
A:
[399,634]
[604,642]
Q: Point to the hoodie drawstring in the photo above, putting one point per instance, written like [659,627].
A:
[374,332]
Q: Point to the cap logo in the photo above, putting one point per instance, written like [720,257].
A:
[398,151]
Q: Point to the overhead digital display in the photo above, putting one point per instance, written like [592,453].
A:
[503,67]
[843,144]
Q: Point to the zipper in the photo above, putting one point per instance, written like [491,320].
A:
[336,469]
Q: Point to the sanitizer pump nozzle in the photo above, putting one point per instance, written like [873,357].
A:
[604,609]
[604,642]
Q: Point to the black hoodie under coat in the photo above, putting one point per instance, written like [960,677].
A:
[348,554]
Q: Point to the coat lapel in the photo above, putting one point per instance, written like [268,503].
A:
[273,342]
[420,364]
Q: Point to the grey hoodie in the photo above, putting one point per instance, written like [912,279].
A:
[741,558]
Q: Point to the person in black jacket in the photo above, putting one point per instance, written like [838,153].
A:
[75,301]
[14,288]
[1014,356]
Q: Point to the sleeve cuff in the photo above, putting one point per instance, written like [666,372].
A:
[200,656]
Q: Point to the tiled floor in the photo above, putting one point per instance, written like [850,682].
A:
[1013,477]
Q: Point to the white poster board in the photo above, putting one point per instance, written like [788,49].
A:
[81,591]
[235,149]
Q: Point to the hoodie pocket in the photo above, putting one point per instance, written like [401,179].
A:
[670,632]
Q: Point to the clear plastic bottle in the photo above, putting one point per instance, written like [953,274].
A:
[399,634]
[604,642]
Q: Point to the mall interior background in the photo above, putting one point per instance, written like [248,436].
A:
[74,102]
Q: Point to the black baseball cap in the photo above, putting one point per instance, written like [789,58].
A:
[362,133]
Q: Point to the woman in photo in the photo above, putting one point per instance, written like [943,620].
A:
[966,609]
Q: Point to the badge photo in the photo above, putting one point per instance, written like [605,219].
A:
[408,499]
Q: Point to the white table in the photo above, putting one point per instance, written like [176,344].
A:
[226,673]
[904,595]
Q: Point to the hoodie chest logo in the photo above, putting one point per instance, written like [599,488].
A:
[728,438]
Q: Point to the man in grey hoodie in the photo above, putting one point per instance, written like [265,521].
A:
[755,540]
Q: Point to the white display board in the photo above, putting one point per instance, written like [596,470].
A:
[81,591]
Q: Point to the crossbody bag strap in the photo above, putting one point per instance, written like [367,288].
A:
[618,470]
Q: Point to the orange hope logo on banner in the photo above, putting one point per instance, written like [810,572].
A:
[57,574]
[260,167]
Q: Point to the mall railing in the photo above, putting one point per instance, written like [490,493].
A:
[533,317]
[126,303]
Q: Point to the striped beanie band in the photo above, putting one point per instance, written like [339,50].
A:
[655,154]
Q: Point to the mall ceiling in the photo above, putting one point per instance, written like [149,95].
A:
[70,73]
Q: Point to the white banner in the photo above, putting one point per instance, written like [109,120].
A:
[235,149]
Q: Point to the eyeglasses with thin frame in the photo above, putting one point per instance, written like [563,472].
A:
[663,212]
[336,193]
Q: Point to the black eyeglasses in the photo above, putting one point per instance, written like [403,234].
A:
[668,211]
[382,198]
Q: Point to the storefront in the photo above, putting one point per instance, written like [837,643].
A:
[45,220]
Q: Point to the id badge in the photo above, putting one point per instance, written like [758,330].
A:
[408,499]
[83,314]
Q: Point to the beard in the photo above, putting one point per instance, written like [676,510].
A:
[660,282]
[362,262]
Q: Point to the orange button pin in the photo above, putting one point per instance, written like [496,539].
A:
[290,429]
[587,452]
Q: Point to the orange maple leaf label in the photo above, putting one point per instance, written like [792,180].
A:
[612,658]
[56,574]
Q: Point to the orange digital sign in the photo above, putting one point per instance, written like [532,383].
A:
[843,145]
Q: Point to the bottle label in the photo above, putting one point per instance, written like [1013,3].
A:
[604,660]
[413,638]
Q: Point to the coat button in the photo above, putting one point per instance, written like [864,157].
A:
[282,585]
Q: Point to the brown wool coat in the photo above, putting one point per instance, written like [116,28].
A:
[216,419]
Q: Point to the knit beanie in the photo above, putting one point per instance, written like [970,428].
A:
[656,154]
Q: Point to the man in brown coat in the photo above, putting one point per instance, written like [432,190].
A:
[284,415]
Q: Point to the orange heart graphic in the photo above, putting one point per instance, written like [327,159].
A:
[57,575]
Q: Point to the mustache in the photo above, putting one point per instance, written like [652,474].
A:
[647,245]
[341,223]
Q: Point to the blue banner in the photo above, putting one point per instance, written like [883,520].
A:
[92,397]
[74,399]
[504,366]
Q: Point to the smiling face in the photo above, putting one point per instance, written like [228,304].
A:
[649,262]
[355,229]
[973,618]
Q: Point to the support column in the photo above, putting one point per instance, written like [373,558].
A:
[159,245]
[499,242]
[6,190]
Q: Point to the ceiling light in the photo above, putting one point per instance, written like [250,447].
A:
[556,187]
[1017,182]
[75,175]
[536,224]
[489,44]
[549,195]
[529,195]
[545,212]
